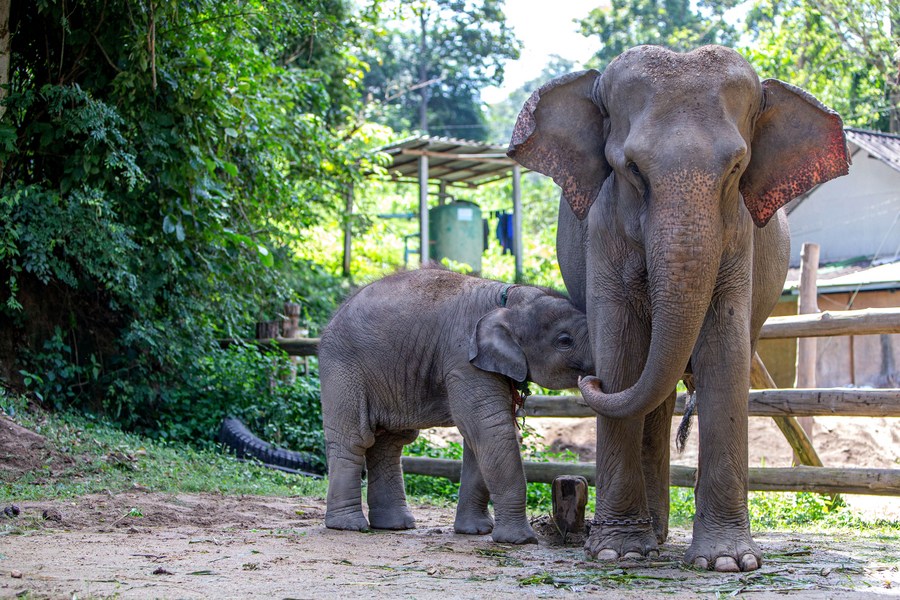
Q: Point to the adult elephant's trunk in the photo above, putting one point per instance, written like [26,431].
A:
[684,252]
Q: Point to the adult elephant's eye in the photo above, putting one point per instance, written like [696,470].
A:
[641,180]
[564,341]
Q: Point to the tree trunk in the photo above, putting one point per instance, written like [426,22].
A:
[4,60]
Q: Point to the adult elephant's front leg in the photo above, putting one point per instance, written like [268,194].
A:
[622,525]
[721,360]
[655,462]
[386,493]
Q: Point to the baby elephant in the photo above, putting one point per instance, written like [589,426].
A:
[433,348]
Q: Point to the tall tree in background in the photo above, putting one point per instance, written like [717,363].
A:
[428,68]
[159,157]
[847,52]
[676,24]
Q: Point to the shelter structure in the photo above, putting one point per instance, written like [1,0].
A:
[450,163]
[855,220]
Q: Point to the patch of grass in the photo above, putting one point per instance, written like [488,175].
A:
[105,458]
[788,511]
[440,491]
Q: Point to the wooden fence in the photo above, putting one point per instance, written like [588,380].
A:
[783,405]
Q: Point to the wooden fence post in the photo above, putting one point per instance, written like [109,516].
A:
[290,329]
[806,346]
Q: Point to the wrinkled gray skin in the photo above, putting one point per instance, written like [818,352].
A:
[666,161]
[432,348]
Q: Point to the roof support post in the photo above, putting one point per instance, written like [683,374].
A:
[423,210]
[517,219]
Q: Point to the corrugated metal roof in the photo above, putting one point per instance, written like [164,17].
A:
[849,278]
[883,146]
[456,162]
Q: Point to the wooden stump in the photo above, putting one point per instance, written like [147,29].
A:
[569,495]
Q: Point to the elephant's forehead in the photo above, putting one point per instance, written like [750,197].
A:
[653,68]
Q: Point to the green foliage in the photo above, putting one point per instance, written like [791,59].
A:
[440,53]
[844,52]
[676,24]
[783,510]
[438,489]
[159,163]
[427,487]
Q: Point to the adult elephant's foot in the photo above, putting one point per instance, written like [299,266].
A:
[614,541]
[473,521]
[514,534]
[391,518]
[346,520]
[728,551]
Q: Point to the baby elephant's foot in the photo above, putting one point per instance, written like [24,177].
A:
[391,518]
[473,522]
[730,552]
[349,521]
[613,541]
[514,534]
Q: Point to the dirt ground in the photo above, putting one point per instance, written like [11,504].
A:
[140,544]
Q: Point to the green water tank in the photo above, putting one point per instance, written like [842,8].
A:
[455,231]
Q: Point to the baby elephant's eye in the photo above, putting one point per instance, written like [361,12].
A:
[564,341]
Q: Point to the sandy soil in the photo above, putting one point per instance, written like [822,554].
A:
[141,544]
[206,546]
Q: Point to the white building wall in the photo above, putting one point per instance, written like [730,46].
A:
[854,215]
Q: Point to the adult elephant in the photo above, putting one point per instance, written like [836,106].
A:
[666,161]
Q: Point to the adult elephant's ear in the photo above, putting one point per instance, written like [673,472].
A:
[493,348]
[798,143]
[559,133]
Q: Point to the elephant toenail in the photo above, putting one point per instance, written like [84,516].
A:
[607,554]
[653,554]
[749,563]
[726,564]
[701,563]
[633,554]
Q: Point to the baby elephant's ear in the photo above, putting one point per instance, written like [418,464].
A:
[493,347]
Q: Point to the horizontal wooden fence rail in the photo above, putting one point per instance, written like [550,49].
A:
[868,321]
[781,404]
[813,402]
[823,480]
[291,346]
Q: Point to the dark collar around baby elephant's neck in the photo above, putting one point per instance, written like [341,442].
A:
[504,293]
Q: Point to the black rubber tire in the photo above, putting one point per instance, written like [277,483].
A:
[235,435]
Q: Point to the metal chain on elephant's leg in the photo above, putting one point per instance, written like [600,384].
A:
[625,522]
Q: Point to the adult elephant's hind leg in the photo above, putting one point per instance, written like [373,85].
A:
[386,493]
[472,515]
[655,462]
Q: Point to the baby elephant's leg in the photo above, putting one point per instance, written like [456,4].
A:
[472,516]
[387,495]
[483,412]
[346,457]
